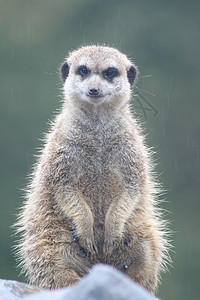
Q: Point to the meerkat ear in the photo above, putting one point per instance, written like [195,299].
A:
[132,74]
[64,71]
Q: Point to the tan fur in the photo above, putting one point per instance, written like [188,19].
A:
[92,195]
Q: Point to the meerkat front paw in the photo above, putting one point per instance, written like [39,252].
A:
[88,244]
[110,244]
[113,236]
[90,247]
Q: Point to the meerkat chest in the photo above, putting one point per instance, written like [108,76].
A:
[103,163]
[99,164]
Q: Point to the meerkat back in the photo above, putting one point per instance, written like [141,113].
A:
[92,196]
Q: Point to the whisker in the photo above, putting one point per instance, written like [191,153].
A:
[147,92]
[148,103]
[145,76]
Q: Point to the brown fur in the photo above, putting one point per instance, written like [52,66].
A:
[92,195]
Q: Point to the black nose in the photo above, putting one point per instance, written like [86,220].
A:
[93,92]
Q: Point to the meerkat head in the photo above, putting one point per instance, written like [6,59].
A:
[98,75]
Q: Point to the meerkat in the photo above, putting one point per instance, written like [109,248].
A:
[92,195]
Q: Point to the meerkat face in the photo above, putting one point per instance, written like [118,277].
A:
[98,75]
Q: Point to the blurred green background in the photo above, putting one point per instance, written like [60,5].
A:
[163,39]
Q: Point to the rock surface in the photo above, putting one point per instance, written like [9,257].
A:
[103,282]
[14,290]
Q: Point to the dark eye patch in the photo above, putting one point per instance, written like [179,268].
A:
[83,71]
[110,73]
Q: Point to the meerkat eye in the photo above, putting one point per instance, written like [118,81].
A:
[110,73]
[83,71]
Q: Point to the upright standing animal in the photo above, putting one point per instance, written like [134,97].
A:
[92,195]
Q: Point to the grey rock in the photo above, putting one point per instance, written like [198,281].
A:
[14,290]
[103,282]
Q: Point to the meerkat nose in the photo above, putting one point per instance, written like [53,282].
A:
[93,92]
